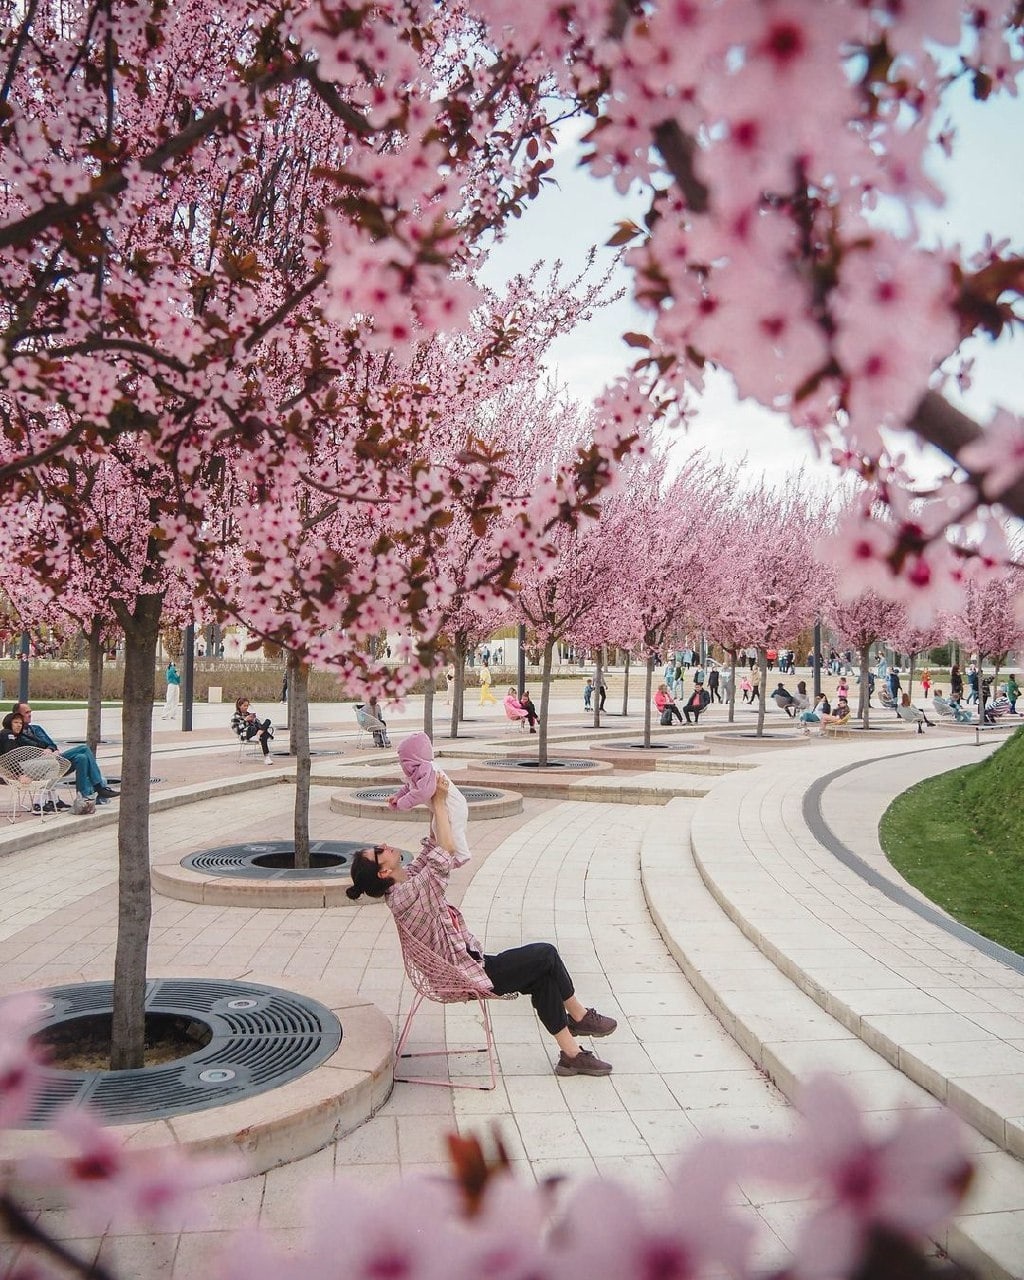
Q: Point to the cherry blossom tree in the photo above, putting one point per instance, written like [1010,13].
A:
[913,641]
[673,528]
[145,193]
[786,588]
[989,623]
[862,622]
[577,593]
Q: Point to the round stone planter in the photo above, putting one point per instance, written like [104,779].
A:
[284,1072]
[562,767]
[257,875]
[372,802]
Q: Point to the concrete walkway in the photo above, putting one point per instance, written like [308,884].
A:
[731,943]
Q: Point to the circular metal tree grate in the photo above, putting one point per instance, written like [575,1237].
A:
[329,858]
[474,795]
[535,764]
[260,1037]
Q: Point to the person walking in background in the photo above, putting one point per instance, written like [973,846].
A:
[171,697]
[588,693]
[746,688]
[1012,691]
[486,696]
[972,683]
[602,694]
[926,681]
[713,679]
[956,683]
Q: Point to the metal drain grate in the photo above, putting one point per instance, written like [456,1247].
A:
[474,795]
[502,763]
[262,1037]
[238,860]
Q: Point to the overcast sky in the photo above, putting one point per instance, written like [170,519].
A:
[986,193]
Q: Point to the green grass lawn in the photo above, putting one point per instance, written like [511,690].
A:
[959,838]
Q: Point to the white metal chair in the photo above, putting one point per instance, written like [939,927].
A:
[515,720]
[370,725]
[435,979]
[913,715]
[952,711]
[32,773]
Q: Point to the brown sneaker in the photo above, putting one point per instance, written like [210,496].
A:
[592,1024]
[586,1063]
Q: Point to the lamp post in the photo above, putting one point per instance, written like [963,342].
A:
[23,656]
[817,659]
[188,672]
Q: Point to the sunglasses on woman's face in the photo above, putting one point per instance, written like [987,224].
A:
[378,849]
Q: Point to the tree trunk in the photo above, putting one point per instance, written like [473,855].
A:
[545,699]
[625,687]
[863,708]
[298,692]
[762,684]
[428,707]
[910,682]
[95,710]
[648,686]
[597,689]
[134,893]
[457,687]
[982,700]
[732,686]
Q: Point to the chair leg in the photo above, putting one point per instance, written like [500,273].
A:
[446,1082]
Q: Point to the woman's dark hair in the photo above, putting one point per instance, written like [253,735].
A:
[238,703]
[366,876]
[9,719]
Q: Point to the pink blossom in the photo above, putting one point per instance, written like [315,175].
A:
[104,1180]
[997,455]
[684,1232]
[909,1182]
[20,1071]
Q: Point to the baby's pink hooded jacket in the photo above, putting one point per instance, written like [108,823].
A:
[416,756]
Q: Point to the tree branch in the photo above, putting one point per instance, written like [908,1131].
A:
[58,213]
[936,421]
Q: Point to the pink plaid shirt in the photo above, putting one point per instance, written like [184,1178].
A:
[420,906]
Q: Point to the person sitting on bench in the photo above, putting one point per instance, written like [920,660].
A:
[665,705]
[696,703]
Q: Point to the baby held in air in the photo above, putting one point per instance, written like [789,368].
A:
[416,756]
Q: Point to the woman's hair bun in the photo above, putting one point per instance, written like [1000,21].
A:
[353,891]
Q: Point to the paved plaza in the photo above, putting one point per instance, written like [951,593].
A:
[740,922]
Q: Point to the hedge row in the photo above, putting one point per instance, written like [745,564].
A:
[55,681]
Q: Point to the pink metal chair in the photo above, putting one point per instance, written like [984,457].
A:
[434,978]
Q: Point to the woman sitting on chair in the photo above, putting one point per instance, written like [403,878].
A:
[248,726]
[840,716]
[514,709]
[416,896]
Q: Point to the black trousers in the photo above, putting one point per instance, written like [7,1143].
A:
[537,971]
[261,731]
